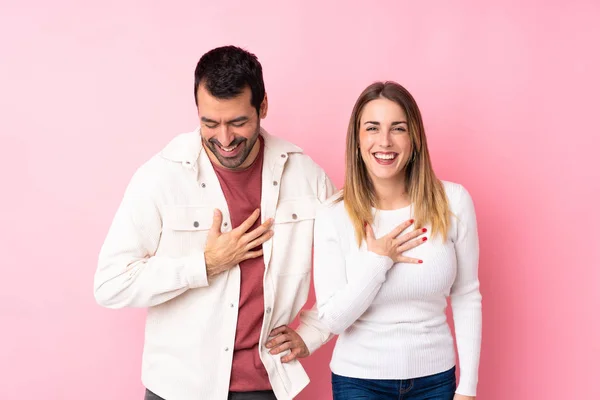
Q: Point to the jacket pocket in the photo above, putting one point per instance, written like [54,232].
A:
[185,229]
[296,210]
[188,218]
[293,236]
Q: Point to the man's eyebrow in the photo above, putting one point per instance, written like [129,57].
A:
[238,119]
[208,120]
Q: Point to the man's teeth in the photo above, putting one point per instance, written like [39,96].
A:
[385,156]
[230,149]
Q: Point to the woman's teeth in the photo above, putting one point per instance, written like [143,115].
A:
[385,156]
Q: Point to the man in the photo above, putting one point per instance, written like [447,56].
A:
[214,236]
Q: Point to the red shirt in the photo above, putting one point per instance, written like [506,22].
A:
[242,190]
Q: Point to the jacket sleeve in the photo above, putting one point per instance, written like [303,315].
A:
[129,274]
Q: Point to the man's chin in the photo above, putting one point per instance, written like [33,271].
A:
[230,163]
[227,162]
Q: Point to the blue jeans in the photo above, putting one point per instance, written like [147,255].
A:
[433,387]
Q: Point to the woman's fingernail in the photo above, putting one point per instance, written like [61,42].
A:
[412,220]
[420,261]
[424,230]
[424,239]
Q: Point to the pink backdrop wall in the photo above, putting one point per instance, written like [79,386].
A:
[509,92]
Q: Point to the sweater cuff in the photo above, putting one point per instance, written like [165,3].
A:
[195,271]
[466,387]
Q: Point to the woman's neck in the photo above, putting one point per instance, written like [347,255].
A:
[391,194]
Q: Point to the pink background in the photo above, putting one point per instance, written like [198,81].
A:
[509,92]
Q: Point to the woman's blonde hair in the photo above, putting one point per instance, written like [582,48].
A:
[426,191]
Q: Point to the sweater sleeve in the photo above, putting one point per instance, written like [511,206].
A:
[465,295]
[341,301]
[129,274]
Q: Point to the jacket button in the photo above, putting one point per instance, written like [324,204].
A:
[203,185]
[196,224]
[225,224]
[283,156]
[294,216]
[226,348]
[268,310]
[274,183]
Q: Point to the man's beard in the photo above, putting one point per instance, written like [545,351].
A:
[239,159]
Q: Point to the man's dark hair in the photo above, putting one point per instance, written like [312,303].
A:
[226,71]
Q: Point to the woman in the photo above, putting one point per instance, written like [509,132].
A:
[389,249]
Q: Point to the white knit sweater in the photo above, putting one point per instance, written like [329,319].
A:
[391,317]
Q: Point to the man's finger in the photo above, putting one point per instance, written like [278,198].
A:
[259,231]
[260,240]
[253,254]
[279,349]
[215,229]
[278,340]
[247,224]
[292,356]
[281,338]
[278,330]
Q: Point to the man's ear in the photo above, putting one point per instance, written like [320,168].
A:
[264,107]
